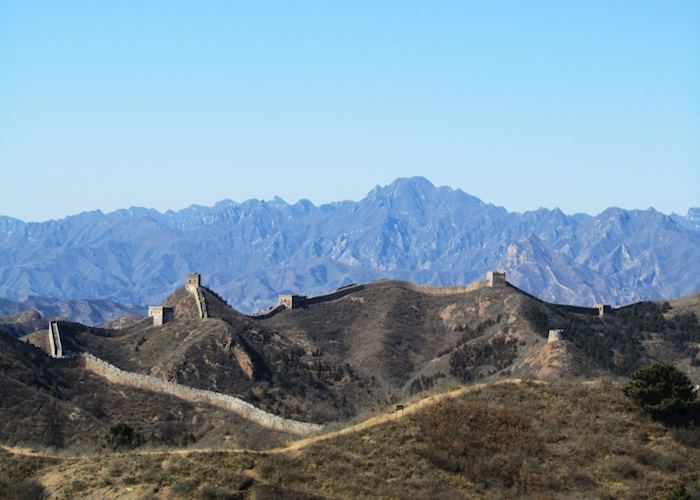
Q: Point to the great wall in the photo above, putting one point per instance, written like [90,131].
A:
[227,402]
[493,280]
[161,314]
[230,403]
[55,345]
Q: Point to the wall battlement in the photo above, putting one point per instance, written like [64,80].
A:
[291,301]
[230,403]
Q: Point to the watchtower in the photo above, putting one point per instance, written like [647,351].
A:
[290,301]
[603,309]
[495,279]
[194,279]
[161,314]
[554,336]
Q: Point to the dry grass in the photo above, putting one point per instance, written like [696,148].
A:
[525,440]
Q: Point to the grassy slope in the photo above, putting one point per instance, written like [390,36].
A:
[582,440]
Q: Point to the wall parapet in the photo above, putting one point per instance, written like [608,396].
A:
[227,402]
[199,299]
[55,346]
[436,290]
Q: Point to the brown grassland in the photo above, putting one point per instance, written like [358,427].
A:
[559,440]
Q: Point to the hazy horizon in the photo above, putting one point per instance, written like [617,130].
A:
[580,106]
[293,202]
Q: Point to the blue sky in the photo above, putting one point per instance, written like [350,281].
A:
[580,105]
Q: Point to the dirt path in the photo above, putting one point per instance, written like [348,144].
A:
[29,452]
[409,409]
[297,445]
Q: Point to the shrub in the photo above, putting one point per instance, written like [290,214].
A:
[27,489]
[486,443]
[661,390]
[121,437]
[680,493]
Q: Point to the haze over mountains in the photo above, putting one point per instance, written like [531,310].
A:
[410,229]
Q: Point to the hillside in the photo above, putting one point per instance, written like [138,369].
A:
[523,440]
[230,353]
[409,230]
[336,357]
[56,403]
[21,323]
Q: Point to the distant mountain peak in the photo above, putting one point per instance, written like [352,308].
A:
[409,229]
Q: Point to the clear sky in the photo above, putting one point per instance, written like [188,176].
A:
[580,105]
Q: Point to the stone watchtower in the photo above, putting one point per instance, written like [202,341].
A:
[161,314]
[603,309]
[194,279]
[554,336]
[494,279]
[291,301]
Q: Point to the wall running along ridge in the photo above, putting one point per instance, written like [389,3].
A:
[230,403]
[337,294]
[199,298]
[55,345]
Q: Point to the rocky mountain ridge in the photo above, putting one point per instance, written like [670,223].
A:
[38,310]
[410,229]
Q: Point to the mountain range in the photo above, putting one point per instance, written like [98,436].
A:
[409,229]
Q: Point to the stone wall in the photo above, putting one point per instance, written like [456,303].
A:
[199,299]
[160,314]
[447,290]
[202,303]
[590,311]
[347,290]
[225,401]
[267,314]
[142,323]
[55,346]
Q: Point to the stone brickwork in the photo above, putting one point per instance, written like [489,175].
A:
[161,314]
[224,401]
[446,290]
[194,279]
[55,346]
[199,298]
[494,279]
